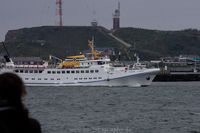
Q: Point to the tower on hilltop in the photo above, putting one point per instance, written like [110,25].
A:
[59,12]
[116,18]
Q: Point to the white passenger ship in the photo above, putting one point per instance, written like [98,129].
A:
[81,71]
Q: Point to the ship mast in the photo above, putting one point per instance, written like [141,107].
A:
[95,54]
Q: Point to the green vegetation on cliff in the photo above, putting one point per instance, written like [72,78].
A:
[154,44]
[62,41]
[58,41]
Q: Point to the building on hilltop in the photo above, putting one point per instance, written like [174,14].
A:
[116,18]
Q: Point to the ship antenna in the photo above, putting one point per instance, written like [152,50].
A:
[7,56]
[4,46]
[93,40]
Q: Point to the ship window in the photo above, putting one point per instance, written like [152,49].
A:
[87,71]
[63,71]
[82,71]
[39,78]
[31,71]
[26,71]
[88,63]
[90,78]
[68,71]
[95,78]
[99,63]
[58,72]
[80,78]
[72,71]
[77,71]
[21,71]
[96,71]
[16,71]
[49,72]
[35,71]
[33,78]
[52,78]
[75,78]
[53,72]
[45,78]
[91,71]
[26,78]
[32,63]
[40,71]
[58,79]
[99,77]
[85,78]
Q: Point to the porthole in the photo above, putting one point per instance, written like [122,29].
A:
[148,78]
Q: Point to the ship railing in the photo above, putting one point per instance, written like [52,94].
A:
[53,66]
[30,66]
[75,67]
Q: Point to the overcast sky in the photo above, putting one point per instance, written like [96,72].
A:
[151,14]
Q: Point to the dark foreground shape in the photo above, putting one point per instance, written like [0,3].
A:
[14,116]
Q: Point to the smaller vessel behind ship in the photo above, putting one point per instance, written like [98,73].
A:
[93,70]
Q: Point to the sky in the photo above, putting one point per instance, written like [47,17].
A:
[150,14]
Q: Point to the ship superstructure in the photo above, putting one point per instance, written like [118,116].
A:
[93,70]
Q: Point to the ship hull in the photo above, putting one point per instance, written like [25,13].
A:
[130,81]
[129,78]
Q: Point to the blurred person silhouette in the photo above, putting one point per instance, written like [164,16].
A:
[14,117]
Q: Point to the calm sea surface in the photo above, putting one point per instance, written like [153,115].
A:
[160,108]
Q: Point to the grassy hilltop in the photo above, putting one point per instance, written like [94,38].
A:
[155,43]
[62,41]
[58,41]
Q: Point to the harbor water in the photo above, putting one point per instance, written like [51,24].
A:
[171,107]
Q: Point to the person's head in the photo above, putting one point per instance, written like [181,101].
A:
[12,88]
